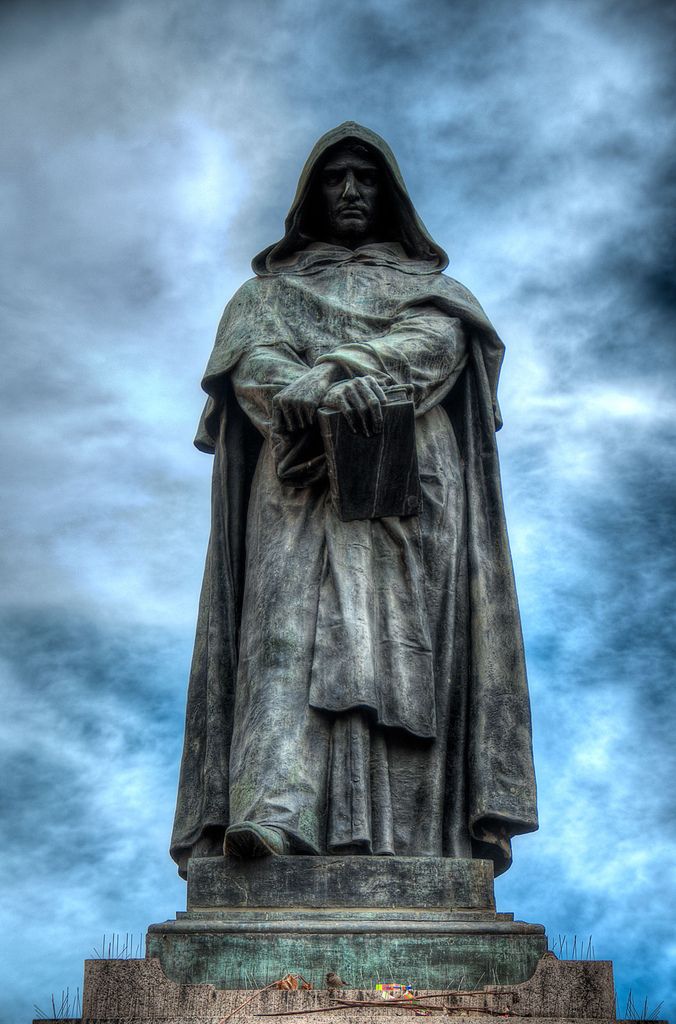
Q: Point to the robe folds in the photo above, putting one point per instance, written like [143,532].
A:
[359,684]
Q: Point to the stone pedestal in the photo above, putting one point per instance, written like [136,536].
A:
[138,992]
[422,921]
[430,922]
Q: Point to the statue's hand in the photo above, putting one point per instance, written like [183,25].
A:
[295,406]
[360,400]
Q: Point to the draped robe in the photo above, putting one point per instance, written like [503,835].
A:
[359,684]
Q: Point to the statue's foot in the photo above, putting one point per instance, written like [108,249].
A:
[251,840]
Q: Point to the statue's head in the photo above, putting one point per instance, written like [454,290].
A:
[350,198]
[348,195]
[351,193]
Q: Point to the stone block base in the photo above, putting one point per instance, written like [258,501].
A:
[138,992]
[340,883]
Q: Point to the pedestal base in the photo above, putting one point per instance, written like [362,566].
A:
[426,922]
[138,992]
[429,922]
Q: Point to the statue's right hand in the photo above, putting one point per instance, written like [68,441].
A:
[360,400]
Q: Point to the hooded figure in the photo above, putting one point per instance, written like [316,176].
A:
[356,687]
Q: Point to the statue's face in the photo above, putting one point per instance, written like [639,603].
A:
[350,189]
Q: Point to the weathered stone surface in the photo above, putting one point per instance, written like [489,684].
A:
[386,882]
[356,1017]
[137,991]
[563,988]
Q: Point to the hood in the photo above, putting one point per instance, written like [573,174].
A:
[405,226]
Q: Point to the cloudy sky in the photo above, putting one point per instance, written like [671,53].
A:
[149,150]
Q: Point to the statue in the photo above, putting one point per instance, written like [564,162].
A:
[358,686]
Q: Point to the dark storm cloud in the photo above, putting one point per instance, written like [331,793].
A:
[150,149]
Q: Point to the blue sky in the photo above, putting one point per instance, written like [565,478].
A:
[149,151]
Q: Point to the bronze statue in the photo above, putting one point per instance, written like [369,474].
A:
[358,686]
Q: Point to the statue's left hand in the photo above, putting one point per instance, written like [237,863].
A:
[295,406]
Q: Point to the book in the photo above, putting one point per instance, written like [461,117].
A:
[377,476]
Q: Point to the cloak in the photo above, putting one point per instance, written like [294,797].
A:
[499,771]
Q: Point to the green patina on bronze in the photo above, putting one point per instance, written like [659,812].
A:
[363,960]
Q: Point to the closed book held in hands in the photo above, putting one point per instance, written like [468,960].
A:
[375,476]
